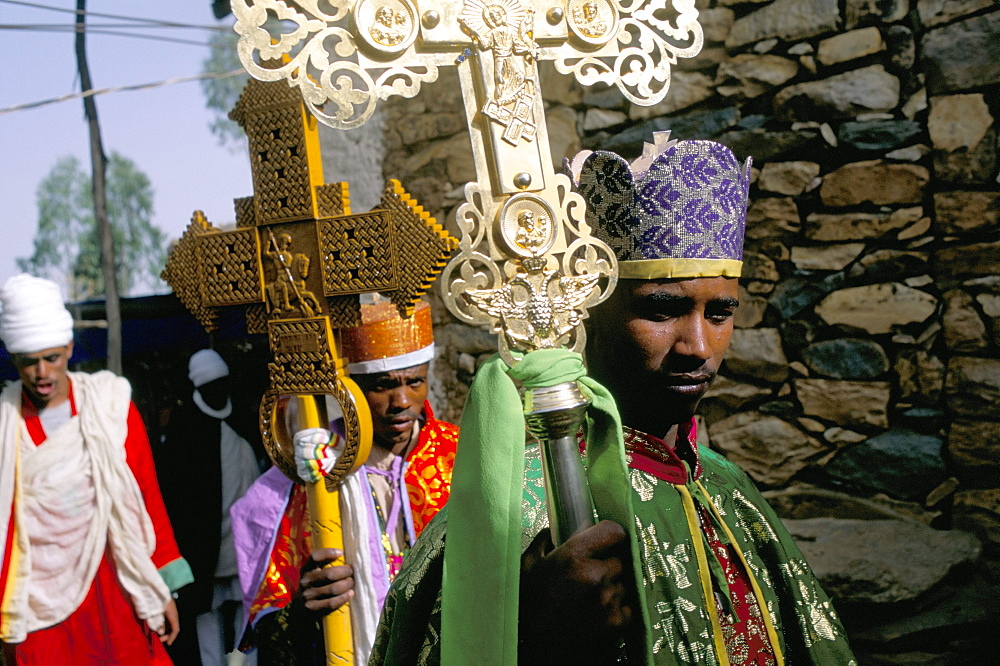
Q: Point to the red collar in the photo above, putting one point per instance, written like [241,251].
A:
[651,454]
[668,463]
[428,412]
[426,418]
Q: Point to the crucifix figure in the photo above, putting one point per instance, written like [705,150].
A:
[296,262]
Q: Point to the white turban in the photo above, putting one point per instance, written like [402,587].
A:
[33,317]
[206,366]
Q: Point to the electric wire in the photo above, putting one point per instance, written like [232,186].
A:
[151,22]
[115,89]
[130,23]
[117,30]
[114,33]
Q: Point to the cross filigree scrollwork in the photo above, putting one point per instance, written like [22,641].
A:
[526,264]
[645,44]
[340,88]
[392,47]
[533,273]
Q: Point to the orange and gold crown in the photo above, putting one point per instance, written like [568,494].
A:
[385,341]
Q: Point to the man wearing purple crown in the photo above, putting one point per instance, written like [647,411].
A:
[722,581]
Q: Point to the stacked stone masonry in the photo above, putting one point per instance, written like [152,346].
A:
[864,376]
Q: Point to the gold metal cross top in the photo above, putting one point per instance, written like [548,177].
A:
[527,263]
[297,261]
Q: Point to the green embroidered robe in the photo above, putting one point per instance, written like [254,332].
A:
[681,626]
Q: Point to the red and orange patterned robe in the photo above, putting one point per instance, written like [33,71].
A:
[428,481]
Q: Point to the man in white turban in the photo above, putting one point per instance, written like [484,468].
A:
[89,560]
[204,467]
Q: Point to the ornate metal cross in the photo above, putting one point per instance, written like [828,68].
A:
[296,262]
[527,263]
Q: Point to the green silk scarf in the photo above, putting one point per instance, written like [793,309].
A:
[482,558]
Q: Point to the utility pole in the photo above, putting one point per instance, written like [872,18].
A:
[98,166]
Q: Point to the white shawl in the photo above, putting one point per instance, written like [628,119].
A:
[74,496]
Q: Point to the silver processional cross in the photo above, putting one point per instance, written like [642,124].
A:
[526,264]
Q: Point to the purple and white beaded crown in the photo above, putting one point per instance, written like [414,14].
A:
[679,211]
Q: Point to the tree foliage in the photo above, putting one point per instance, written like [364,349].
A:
[67,247]
[221,94]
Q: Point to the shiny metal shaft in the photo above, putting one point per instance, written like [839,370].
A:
[553,416]
[570,506]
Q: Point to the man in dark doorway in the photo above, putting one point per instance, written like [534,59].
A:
[204,467]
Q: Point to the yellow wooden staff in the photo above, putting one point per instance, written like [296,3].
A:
[326,523]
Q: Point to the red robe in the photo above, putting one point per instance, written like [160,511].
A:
[104,629]
[428,482]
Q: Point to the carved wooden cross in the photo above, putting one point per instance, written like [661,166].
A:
[296,262]
[344,55]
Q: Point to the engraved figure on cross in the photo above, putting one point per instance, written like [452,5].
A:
[588,19]
[538,308]
[532,233]
[286,290]
[504,28]
[390,27]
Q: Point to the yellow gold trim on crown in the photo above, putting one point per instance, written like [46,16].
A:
[654,269]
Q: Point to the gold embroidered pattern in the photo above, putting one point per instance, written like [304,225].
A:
[816,618]
[534,517]
[752,520]
[762,574]
[660,562]
[643,483]
[719,501]
[419,559]
[671,627]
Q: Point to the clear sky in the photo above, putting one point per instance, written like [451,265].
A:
[164,130]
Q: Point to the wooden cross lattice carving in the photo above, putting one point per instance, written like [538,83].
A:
[298,259]
[524,238]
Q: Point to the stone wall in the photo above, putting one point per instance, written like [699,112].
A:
[356,157]
[863,380]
